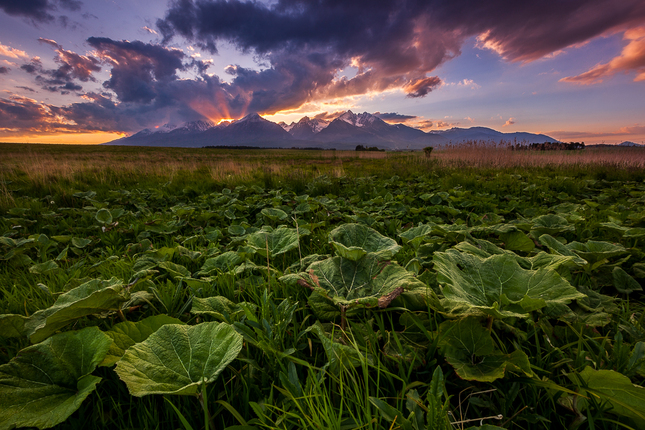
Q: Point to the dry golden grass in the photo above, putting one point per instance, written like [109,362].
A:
[44,166]
[477,156]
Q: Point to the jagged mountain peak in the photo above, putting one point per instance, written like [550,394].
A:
[253,116]
[359,120]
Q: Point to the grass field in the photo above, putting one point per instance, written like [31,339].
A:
[165,288]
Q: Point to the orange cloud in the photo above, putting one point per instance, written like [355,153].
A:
[509,121]
[8,51]
[632,58]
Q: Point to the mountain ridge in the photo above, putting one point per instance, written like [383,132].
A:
[344,132]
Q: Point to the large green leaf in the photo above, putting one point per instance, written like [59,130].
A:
[623,282]
[415,235]
[103,216]
[497,286]
[42,268]
[623,397]
[128,333]
[12,325]
[177,359]
[277,242]
[550,224]
[368,281]
[353,241]
[557,247]
[517,241]
[470,349]
[594,251]
[222,263]
[92,297]
[45,383]
[274,214]
[174,270]
[219,307]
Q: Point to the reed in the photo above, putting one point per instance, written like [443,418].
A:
[47,169]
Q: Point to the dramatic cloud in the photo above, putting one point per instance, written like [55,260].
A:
[393,45]
[307,44]
[310,53]
[632,58]
[137,67]
[421,87]
[527,31]
[25,114]
[144,89]
[38,10]
[4,70]
[71,67]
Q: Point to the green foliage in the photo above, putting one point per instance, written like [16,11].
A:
[516,292]
[47,382]
[470,349]
[497,286]
[178,359]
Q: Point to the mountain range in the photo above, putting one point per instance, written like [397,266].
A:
[344,132]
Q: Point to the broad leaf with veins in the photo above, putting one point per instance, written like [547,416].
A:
[353,241]
[45,383]
[178,359]
[364,282]
[470,349]
[497,286]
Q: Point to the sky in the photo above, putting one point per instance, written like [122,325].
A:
[75,71]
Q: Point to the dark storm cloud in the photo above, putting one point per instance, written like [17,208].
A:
[392,44]
[311,50]
[144,89]
[138,68]
[421,87]
[36,10]
[394,117]
[22,113]
[39,10]
[71,67]
[4,70]
[526,31]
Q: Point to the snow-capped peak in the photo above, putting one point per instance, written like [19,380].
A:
[197,126]
[285,126]
[359,120]
[251,117]
[166,128]
[348,117]
[315,124]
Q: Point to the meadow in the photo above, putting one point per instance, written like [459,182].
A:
[163,288]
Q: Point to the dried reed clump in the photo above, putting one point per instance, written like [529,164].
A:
[484,156]
[48,167]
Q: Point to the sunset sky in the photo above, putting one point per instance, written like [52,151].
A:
[91,71]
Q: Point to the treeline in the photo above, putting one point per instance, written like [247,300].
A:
[549,146]
[368,148]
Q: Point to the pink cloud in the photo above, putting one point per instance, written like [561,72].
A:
[509,121]
[632,58]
